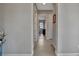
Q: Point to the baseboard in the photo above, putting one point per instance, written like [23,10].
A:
[68,54]
[17,55]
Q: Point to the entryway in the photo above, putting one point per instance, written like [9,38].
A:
[43,29]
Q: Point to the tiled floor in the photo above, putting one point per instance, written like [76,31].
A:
[43,47]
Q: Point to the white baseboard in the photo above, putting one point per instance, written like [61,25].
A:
[67,54]
[17,55]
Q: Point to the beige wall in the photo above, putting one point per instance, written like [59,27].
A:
[68,29]
[18,24]
[1,18]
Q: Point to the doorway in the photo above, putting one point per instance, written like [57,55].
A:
[43,30]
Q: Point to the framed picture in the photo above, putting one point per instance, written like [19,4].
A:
[54,18]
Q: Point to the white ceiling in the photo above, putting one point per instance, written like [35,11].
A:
[47,6]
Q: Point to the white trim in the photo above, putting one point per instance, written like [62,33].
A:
[17,55]
[32,28]
[68,54]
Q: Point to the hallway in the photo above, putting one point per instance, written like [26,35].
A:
[44,47]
